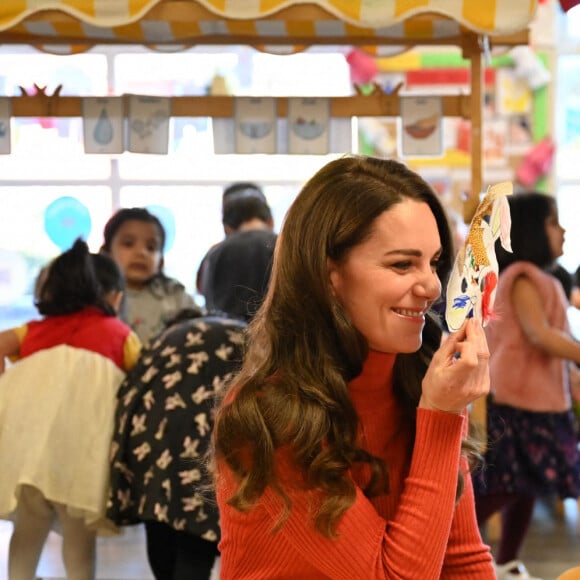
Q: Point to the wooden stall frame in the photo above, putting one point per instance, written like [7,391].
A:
[376,103]
[470,106]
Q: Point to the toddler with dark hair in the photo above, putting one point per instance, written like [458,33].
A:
[135,239]
[57,405]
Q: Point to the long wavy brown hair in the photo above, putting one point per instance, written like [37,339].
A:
[303,349]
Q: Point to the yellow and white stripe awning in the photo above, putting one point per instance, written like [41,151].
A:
[258,22]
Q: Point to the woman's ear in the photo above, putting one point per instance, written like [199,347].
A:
[333,275]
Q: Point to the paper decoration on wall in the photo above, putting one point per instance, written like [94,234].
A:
[167,219]
[473,281]
[65,220]
[5,114]
[536,163]
[308,125]
[103,122]
[363,67]
[494,134]
[378,136]
[149,124]
[224,138]
[529,67]
[421,126]
[513,94]
[255,124]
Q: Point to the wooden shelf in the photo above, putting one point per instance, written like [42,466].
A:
[376,104]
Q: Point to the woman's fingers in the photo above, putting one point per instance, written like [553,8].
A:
[473,345]
[448,347]
[459,372]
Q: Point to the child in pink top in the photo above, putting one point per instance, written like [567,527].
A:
[532,441]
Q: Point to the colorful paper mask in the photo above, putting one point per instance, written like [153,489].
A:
[473,281]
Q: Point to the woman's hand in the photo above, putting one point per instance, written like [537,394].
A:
[459,371]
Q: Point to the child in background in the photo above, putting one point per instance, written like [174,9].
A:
[158,474]
[135,239]
[532,440]
[569,283]
[57,405]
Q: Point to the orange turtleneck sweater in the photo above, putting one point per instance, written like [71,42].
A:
[416,532]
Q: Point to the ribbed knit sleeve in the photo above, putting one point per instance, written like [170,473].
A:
[410,543]
[466,555]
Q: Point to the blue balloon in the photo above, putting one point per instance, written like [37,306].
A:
[167,219]
[65,220]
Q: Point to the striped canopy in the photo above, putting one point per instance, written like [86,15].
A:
[260,23]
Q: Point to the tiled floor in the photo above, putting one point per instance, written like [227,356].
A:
[553,544]
[120,557]
[552,547]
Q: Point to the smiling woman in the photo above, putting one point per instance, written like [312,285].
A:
[388,282]
[343,431]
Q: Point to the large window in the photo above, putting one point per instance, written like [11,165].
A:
[32,234]
[48,177]
[567,169]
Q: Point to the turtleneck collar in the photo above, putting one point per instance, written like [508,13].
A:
[377,372]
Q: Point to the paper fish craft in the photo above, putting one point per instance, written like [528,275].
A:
[473,281]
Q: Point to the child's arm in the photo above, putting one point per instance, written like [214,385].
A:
[574,382]
[531,316]
[9,346]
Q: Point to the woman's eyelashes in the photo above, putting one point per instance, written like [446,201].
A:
[405,265]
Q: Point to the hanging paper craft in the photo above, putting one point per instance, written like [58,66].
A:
[308,123]
[5,114]
[149,124]
[255,121]
[473,281]
[514,96]
[103,124]
[420,121]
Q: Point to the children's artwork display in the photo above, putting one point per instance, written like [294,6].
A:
[149,124]
[473,281]
[421,126]
[514,96]
[103,122]
[5,136]
[515,122]
[255,125]
[308,125]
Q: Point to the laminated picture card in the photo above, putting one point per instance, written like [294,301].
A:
[5,115]
[421,126]
[255,124]
[103,122]
[149,124]
[308,125]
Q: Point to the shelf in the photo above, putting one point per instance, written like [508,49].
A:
[376,104]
